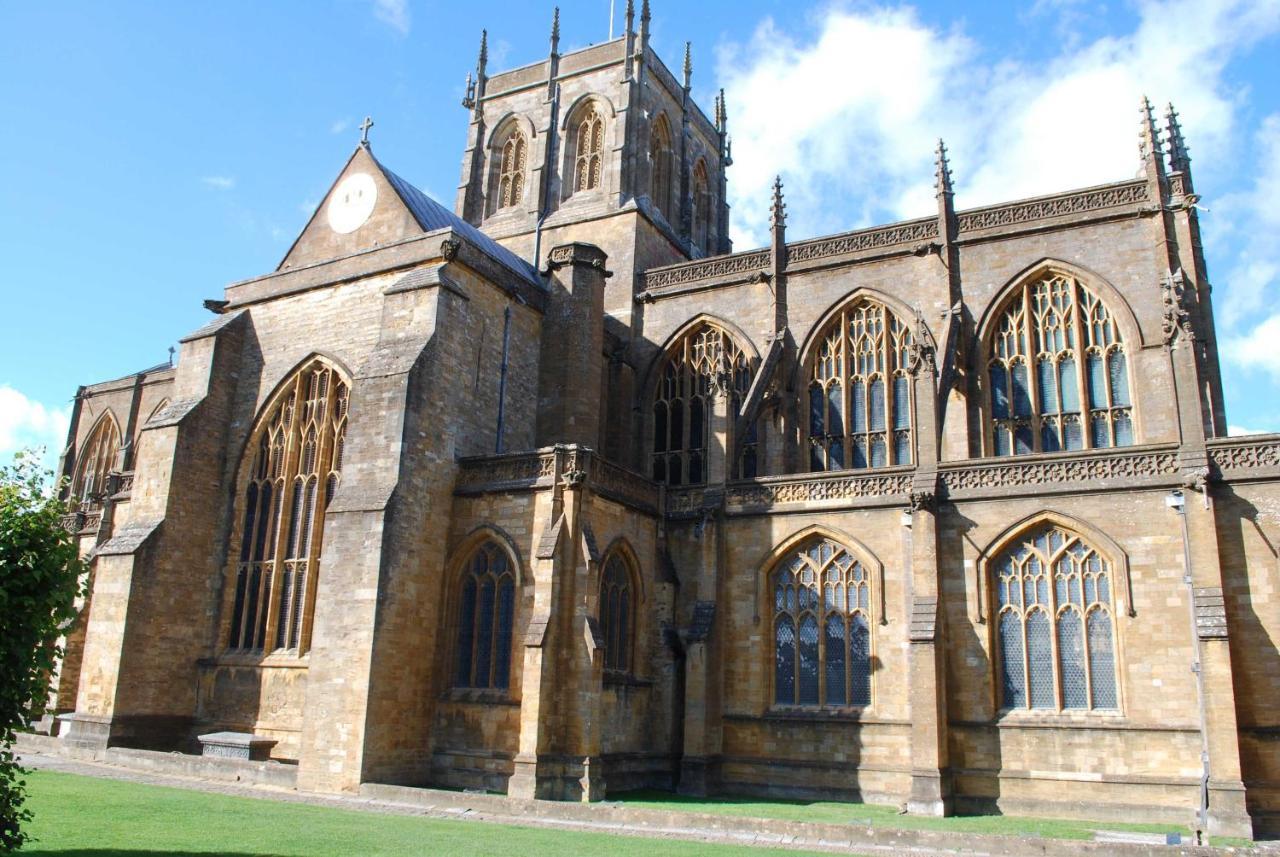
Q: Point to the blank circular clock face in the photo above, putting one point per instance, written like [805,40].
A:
[352,202]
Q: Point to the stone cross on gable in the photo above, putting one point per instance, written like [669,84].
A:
[364,131]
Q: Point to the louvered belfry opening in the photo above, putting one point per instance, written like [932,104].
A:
[296,468]
[1057,372]
[1053,595]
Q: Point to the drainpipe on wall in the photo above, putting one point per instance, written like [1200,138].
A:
[1177,502]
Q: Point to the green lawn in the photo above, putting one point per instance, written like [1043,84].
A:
[89,817]
[877,815]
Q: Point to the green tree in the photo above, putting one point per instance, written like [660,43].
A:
[40,571]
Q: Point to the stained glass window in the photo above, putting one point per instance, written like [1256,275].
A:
[296,468]
[486,610]
[1053,601]
[821,587]
[859,370]
[616,612]
[1070,337]
[704,357]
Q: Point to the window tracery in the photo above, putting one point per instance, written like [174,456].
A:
[616,614]
[1057,372]
[295,471]
[822,628]
[97,460]
[588,150]
[1055,637]
[512,169]
[704,360]
[486,614]
[860,409]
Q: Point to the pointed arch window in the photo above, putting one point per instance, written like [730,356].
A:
[617,614]
[588,150]
[486,614]
[512,170]
[97,460]
[1057,372]
[860,407]
[821,628]
[298,450]
[701,207]
[662,160]
[702,361]
[1056,645]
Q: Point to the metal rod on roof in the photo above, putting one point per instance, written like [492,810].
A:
[611,20]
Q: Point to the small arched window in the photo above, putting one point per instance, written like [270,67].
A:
[701,207]
[588,150]
[617,605]
[512,170]
[97,460]
[1055,642]
[296,467]
[821,628]
[860,390]
[704,358]
[486,613]
[661,160]
[1057,373]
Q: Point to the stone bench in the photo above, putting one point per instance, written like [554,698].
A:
[236,745]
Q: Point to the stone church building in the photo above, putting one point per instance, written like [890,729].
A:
[555,494]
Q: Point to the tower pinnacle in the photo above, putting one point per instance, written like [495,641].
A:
[688,64]
[942,170]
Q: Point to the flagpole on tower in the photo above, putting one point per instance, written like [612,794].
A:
[611,20]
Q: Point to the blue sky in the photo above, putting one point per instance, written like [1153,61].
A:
[157,151]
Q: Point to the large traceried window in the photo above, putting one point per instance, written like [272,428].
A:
[296,467]
[616,614]
[97,460]
[860,390]
[588,150]
[701,207]
[1057,372]
[821,628]
[1055,638]
[704,358]
[486,613]
[662,161]
[512,170]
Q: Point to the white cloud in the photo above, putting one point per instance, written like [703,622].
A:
[25,423]
[219,182]
[849,116]
[1258,348]
[1238,431]
[393,13]
[339,125]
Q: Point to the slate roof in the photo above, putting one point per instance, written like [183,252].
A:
[431,215]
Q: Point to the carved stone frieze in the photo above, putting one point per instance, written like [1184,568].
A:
[811,490]
[913,234]
[706,269]
[1245,455]
[1067,469]
[1057,206]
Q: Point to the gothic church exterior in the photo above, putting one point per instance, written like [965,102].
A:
[554,494]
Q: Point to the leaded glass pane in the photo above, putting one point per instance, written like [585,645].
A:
[999,392]
[1049,438]
[784,676]
[466,633]
[879,455]
[1012,665]
[1022,439]
[484,633]
[835,649]
[858,398]
[815,411]
[1101,432]
[1046,387]
[1074,436]
[1101,660]
[1119,380]
[1067,383]
[1002,439]
[1021,391]
[835,410]
[808,661]
[506,609]
[902,448]
[877,405]
[859,453]
[1124,428]
[860,660]
[1040,660]
[901,403]
[1071,655]
[1097,378]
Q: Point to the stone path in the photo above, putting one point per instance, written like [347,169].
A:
[619,820]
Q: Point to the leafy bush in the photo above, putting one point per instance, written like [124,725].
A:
[40,570]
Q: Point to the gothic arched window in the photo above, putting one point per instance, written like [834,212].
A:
[1055,640]
[661,163]
[486,613]
[1057,372]
[511,170]
[616,614]
[703,359]
[588,150]
[296,467]
[821,628]
[860,390]
[97,460]
[701,207]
